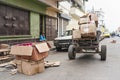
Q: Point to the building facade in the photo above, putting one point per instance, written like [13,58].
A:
[51,19]
[71,10]
[64,16]
[101,23]
[25,20]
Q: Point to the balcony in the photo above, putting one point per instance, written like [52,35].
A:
[76,12]
[51,4]
[79,2]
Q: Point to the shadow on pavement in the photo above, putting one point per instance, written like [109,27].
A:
[88,57]
[63,50]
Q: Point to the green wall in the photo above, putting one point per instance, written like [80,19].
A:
[43,25]
[32,5]
[35,8]
[34,24]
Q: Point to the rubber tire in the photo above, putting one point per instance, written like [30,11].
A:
[58,48]
[103,52]
[71,52]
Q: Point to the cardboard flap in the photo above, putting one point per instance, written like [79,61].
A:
[94,17]
[21,50]
[42,47]
[83,20]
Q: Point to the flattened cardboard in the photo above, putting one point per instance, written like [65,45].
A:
[21,50]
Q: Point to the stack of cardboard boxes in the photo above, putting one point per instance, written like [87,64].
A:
[88,25]
[30,57]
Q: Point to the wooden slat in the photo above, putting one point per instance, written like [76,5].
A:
[4,50]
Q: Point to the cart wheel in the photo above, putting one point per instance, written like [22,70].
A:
[103,52]
[71,52]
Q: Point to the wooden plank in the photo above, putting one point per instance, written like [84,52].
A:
[4,57]
[4,50]
[4,64]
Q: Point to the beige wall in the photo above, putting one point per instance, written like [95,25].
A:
[51,11]
[51,2]
[65,7]
[73,23]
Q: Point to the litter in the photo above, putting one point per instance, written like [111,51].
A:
[113,41]
[51,64]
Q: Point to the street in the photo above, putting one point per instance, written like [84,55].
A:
[35,36]
[84,67]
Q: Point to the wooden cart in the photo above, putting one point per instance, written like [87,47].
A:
[86,45]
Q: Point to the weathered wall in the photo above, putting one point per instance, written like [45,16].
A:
[34,24]
[31,5]
[36,8]
[51,2]
[51,13]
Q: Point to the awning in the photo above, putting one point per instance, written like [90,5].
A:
[50,6]
[54,9]
[65,16]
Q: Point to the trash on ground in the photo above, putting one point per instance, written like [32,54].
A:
[113,41]
[7,67]
[14,71]
[52,64]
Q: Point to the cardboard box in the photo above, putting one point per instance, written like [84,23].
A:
[84,20]
[27,50]
[41,67]
[35,52]
[88,30]
[94,17]
[21,50]
[76,34]
[18,63]
[36,56]
[30,67]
